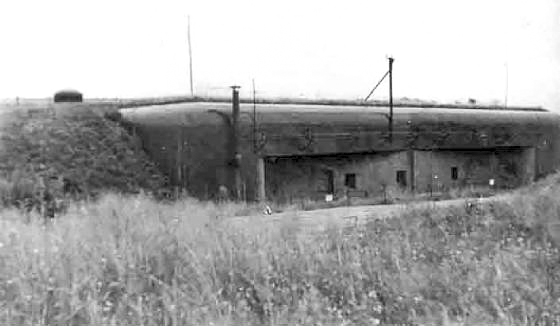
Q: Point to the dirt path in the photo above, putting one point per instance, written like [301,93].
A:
[322,219]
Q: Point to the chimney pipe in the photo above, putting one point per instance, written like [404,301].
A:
[235,108]
[236,159]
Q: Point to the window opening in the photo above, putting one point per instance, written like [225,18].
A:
[401,178]
[350,180]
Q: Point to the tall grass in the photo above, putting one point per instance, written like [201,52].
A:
[128,260]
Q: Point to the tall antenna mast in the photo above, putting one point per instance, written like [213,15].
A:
[254,118]
[190,52]
[507,85]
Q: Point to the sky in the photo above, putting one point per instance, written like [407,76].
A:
[444,50]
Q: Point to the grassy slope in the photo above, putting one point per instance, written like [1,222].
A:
[130,260]
[48,149]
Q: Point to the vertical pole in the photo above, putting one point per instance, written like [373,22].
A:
[261,190]
[184,153]
[431,171]
[190,53]
[254,119]
[507,86]
[391,98]
[178,163]
[236,160]
[411,164]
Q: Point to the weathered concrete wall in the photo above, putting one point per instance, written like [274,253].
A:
[186,158]
[299,177]
[508,167]
[305,177]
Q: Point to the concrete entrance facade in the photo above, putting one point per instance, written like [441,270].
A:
[372,174]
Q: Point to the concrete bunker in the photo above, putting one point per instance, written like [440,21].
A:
[312,150]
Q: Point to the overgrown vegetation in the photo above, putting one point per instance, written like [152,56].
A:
[133,261]
[48,156]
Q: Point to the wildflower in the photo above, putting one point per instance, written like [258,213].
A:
[375,321]
[378,308]
[1,245]
[35,251]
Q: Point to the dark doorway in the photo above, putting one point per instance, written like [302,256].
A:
[401,178]
[454,173]
[329,174]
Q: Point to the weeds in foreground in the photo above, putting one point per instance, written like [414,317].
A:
[130,260]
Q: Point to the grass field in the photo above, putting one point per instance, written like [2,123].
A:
[133,261]
[128,259]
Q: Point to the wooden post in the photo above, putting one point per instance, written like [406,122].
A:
[261,190]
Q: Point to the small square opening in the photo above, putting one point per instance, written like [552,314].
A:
[401,178]
[350,180]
